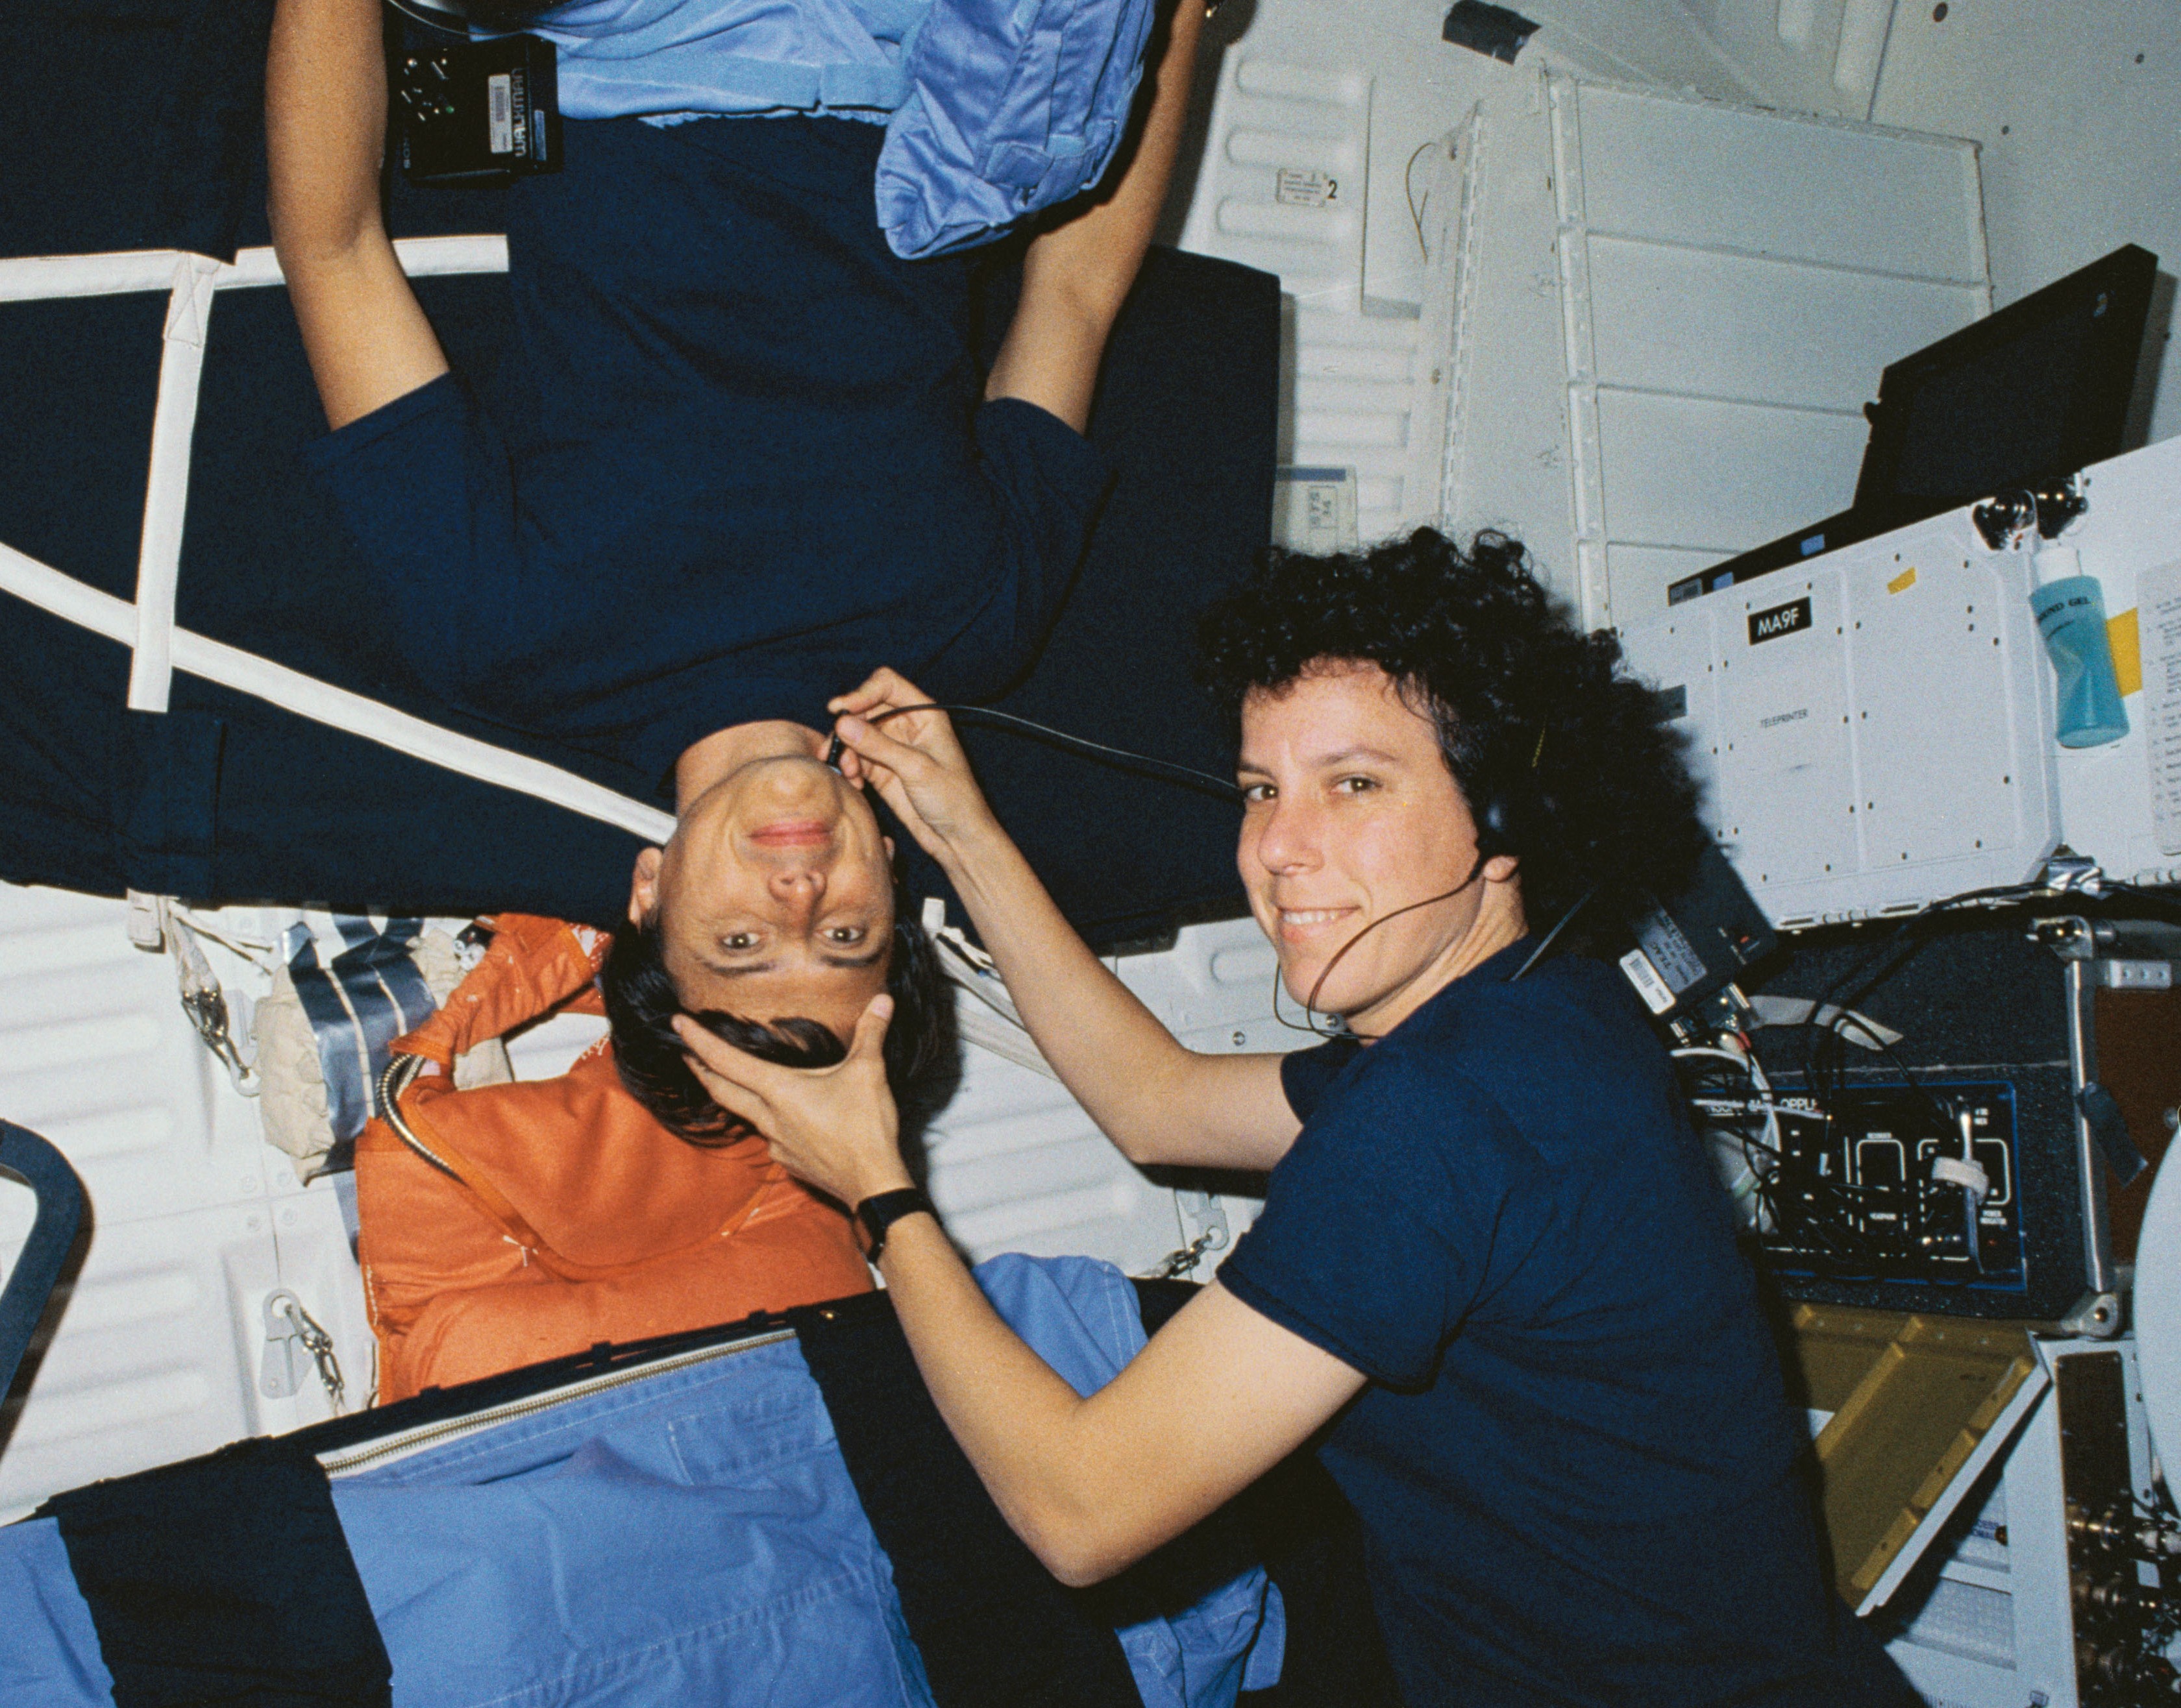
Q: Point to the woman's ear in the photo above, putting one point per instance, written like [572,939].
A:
[644,886]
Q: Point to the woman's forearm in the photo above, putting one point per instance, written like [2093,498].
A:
[1001,1402]
[1219,1395]
[1095,255]
[325,125]
[1159,1101]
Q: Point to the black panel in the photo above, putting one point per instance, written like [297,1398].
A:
[77,386]
[2032,394]
[1982,1017]
[1188,409]
[131,124]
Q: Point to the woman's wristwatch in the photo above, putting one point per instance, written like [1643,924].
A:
[883,1209]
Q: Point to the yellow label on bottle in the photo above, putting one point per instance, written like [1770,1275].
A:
[2126,644]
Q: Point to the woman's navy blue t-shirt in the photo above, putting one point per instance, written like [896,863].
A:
[746,461]
[1574,1462]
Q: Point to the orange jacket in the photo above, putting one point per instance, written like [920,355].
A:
[565,1214]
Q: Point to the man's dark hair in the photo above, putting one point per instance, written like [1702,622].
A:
[923,1056]
[1569,764]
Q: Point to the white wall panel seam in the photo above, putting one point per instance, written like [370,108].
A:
[1695,246]
[1579,354]
[1818,121]
[1462,337]
[1677,394]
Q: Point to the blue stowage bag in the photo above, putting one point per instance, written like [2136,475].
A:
[1013,106]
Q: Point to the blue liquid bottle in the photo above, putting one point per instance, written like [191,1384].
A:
[2070,607]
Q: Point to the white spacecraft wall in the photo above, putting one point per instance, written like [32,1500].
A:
[193,1220]
[1876,727]
[1732,283]
[1809,56]
[1635,328]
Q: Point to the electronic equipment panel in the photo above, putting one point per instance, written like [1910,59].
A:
[1857,1192]
[1899,1116]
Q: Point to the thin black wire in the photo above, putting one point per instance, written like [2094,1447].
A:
[1189,776]
[442,22]
[1194,779]
[1310,1004]
[1342,1030]
[1538,953]
[1821,1057]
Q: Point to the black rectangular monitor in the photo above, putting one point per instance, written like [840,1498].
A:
[2025,396]
[2030,394]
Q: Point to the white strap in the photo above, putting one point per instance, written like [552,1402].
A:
[159,649]
[38,278]
[307,696]
[167,488]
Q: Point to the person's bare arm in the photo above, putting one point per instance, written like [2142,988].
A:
[1076,275]
[1156,1099]
[1219,1397]
[325,127]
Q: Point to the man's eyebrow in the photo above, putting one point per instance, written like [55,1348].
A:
[742,971]
[857,964]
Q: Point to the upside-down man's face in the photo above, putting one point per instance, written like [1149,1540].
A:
[777,894]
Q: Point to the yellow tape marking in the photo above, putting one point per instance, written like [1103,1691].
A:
[2126,642]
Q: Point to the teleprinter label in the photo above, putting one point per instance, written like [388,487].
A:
[1769,625]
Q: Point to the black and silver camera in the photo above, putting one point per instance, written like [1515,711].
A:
[476,113]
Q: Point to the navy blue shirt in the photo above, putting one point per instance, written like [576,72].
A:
[1574,1462]
[746,460]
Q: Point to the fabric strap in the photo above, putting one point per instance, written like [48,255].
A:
[996,1628]
[225,1580]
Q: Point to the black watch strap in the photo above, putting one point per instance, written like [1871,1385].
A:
[881,1210]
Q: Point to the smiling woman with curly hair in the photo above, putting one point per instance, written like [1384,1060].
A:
[1493,1279]
[1564,759]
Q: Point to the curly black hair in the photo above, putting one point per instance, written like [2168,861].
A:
[1569,764]
[923,1054]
